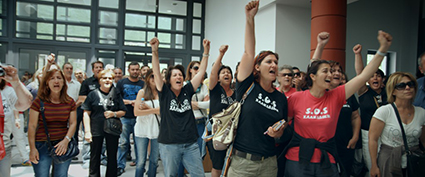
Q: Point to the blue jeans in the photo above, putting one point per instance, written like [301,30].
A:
[142,147]
[173,154]
[201,144]
[127,129]
[42,169]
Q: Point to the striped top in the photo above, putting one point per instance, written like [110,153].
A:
[57,116]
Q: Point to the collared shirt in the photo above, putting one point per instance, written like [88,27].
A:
[73,89]
[420,94]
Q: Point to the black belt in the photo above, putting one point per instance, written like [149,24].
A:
[248,156]
[200,121]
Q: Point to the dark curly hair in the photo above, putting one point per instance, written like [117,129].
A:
[312,69]
[168,75]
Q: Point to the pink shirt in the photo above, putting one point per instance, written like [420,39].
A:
[315,118]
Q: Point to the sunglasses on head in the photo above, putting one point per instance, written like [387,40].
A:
[286,74]
[402,85]
[195,67]
[297,74]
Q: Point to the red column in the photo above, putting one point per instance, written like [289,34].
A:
[330,16]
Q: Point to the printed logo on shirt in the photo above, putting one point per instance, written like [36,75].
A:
[317,113]
[226,100]
[105,102]
[6,106]
[185,106]
[346,106]
[266,102]
[130,91]
[92,87]
[395,135]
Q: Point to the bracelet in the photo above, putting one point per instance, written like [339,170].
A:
[381,53]
[205,55]
[115,114]
[67,137]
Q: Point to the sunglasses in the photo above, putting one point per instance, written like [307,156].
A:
[401,86]
[286,74]
[297,74]
[195,67]
[152,76]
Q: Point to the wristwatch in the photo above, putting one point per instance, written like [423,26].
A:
[115,114]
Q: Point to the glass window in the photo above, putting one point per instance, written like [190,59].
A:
[197,9]
[196,26]
[79,2]
[137,20]
[33,10]
[135,38]
[180,24]
[108,61]
[72,33]
[196,58]
[108,18]
[46,28]
[78,64]
[172,7]
[108,35]
[196,42]
[109,3]
[23,26]
[141,5]
[73,14]
[165,39]
[164,23]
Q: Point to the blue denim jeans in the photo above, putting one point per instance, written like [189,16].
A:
[201,144]
[42,169]
[173,154]
[127,129]
[142,147]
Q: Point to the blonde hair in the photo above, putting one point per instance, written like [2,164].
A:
[394,79]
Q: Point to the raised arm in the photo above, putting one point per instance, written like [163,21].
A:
[322,40]
[155,64]
[199,77]
[375,131]
[247,61]
[358,66]
[216,67]
[24,96]
[354,84]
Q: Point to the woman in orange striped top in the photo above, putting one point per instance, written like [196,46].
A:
[59,110]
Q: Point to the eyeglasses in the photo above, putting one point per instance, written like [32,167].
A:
[195,67]
[285,74]
[401,86]
[297,74]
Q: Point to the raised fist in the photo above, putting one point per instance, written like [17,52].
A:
[323,38]
[357,49]
[223,49]
[252,8]
[154,44]
[385,41]
[206,44]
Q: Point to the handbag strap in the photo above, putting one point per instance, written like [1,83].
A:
[157,120]
[247,93]
[402,129]
[45,123]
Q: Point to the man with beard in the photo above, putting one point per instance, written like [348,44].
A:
[420,95]
[143,70]
[128,88]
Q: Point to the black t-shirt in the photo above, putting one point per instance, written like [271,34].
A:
[260,110]
[177,119]
[219,99]
[89,85]
[97,117]
[368,105]
[344,128]
[129,90]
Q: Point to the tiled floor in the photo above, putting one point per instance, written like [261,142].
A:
[75,170]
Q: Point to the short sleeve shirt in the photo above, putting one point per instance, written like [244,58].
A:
[219,99]
[9,100]
[177,119]
[260,110]
[89,85]
[315,118]
[128,91]
[94,104]
[368,105]
[57,117]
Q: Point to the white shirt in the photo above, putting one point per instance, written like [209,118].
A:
[147,126]
[9,100]
[391,134]
[203,105]
[73,89]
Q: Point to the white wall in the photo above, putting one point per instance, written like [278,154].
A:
[225,24]
[293,35]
